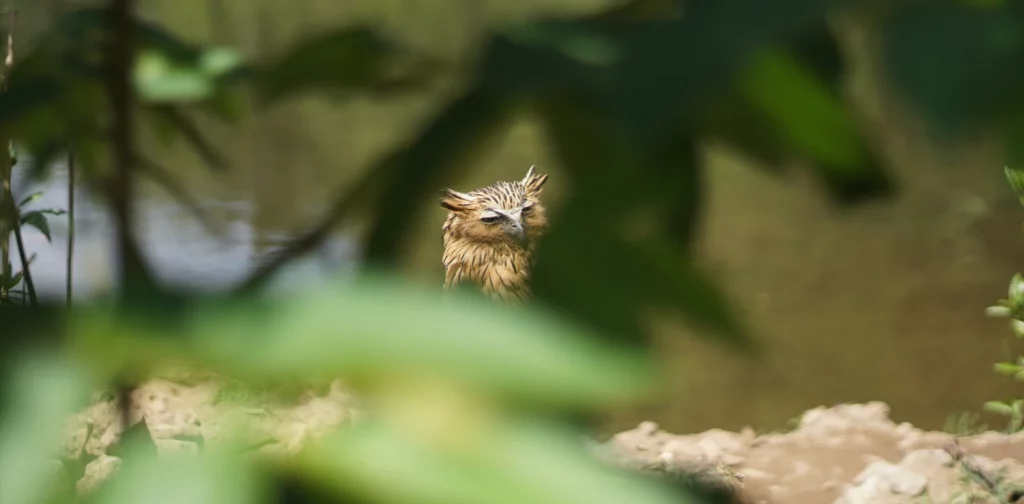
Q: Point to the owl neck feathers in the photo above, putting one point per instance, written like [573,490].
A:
[499,270]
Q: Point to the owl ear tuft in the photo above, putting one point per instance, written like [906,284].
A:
[456,201]
[534,183]
[529,174]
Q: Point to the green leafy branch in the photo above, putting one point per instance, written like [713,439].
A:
[39,220]
[1011,307]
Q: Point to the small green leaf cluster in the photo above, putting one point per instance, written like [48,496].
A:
[38,219]
[1012,308]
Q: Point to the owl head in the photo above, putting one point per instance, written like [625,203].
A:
[503,213]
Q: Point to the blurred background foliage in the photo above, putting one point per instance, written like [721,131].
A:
[717,170]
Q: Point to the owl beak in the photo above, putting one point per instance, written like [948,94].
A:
[514,228]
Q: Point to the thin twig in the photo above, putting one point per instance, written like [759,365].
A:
[71,226]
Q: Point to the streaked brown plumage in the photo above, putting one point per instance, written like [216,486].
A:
[491,235]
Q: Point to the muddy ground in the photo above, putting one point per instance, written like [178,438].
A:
[847,454]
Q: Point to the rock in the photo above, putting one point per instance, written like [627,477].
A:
[97,472]
[843,454]
[646,428]
[917,439]
[845,417]
[927,461]
[880,480]
[732,460]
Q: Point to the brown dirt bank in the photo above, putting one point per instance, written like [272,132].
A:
[847,454]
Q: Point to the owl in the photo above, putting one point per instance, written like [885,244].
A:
[491,236]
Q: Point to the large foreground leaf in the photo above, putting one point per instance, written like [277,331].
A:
[447,147]
[623,275]
[349,59]
[959,82]
[376,330]
[42,391]
[510,463]
[214,477]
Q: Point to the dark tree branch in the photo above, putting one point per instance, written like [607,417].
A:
[162,176]
[343,205]
[135,276]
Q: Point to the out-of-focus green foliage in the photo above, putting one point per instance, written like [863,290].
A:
[40,392]
[384,330]
[452,386]
[460,393]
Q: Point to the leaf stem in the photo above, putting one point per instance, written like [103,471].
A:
[30,286]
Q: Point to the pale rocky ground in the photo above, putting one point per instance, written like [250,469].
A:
[847,454]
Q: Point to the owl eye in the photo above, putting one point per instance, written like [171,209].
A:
[527,208]
[490,217]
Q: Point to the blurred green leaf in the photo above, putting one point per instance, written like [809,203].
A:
[639,10]
[1014,151]
[85,27]
[211,478]
[575,42]
[1016,289]
[226,104]
[22,98]
[653,277]
[959,83]
[38,220]
[737,122]
[1007,368]
[171,122]
[220,61]
[43,154]
[156,80]
[814,123]
[377,329]
[159,79]
[353,58]
[14,280]
[1017,326]
[998,408]
[446,148]
[657,86]
[678,198]
[42,391]
[620,279]
[30,198]
[1015,177]
[512,463]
